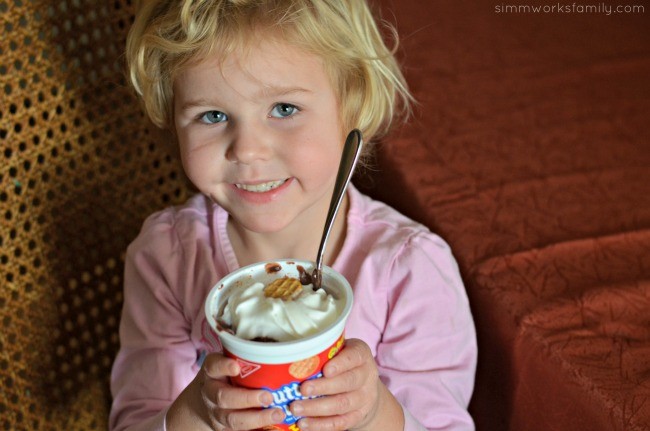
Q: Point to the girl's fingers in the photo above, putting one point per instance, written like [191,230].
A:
[350,370]
[331,423]
[350,387]
[231,407]
[351,380]
[217,366]
[354,354]
[219,394]
[248,419]
[330,406]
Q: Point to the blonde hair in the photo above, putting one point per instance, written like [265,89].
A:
[170,34]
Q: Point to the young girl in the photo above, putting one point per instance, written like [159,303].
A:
[260,96]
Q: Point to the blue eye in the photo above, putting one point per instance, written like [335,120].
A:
[213,117]
[283,110]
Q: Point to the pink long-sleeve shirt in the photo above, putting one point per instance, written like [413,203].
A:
[410,307]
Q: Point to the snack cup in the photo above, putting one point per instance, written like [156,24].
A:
[280,367]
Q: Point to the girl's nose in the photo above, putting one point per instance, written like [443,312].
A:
[248,145]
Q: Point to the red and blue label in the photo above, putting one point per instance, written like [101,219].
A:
[283,380]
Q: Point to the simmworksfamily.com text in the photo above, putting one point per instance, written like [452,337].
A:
[577,8]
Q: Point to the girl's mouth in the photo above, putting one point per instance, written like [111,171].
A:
[261,187]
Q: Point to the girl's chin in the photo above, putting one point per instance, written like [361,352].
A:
[260,225]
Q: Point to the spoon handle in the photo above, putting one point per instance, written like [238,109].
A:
[349,158]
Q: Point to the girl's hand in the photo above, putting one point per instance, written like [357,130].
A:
[210,402]
[353,397]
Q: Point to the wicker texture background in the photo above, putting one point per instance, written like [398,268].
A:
[80,170]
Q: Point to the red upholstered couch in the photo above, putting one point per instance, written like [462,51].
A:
[530,154]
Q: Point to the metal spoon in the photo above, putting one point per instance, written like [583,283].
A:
[349,158]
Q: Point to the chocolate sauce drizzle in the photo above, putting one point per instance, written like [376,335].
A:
[305,277]
[272,268]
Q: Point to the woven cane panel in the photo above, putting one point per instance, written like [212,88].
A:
[80,170]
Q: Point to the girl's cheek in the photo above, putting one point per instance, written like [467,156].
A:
[199,172]
[197,154]
[197,168]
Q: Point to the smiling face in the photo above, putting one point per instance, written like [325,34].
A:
[261,135]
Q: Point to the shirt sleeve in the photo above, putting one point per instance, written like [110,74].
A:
[427,356]
[156,360]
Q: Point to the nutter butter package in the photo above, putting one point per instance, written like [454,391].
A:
[279,343]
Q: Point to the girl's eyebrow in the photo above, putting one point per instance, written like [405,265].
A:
[267,91]
[274,91]
[195,104]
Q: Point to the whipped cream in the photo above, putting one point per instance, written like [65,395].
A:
[250,314]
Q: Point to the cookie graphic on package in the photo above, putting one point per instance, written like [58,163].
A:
[285,288]
[305,368]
